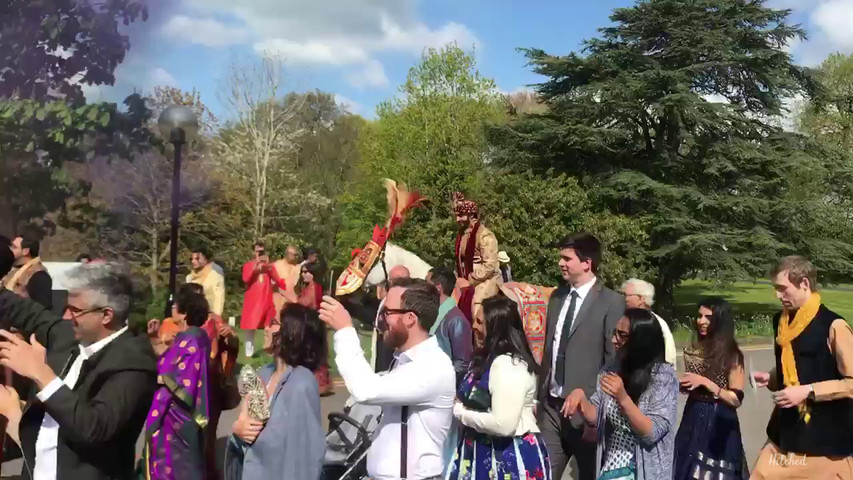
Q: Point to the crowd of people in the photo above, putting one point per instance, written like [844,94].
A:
[475,378]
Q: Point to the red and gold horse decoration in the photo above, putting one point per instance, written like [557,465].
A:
[400,201]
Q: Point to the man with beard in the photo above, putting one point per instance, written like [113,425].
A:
[477,265]
[416,395]
[30,279]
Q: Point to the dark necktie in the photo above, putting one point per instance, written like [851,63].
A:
[564,339]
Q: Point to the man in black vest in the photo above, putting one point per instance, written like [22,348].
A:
[811,429]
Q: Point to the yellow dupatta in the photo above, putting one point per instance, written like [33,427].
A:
[788,331]
[13,282]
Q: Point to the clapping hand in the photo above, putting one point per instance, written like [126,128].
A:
[762,379]
[26,359]
[612,385]
[792,396]
[692,381]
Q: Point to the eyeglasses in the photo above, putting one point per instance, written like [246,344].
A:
[77,312]
[383,315]
[619,334]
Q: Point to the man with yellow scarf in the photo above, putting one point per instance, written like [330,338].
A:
[811,429]
[29,279]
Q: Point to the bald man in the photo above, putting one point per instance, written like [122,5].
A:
[286,276]
[380,355]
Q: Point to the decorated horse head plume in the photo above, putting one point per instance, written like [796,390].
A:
[400,201]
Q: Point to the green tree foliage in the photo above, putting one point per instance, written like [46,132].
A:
[51,48]
[714,182]
[829,115]
[49,51]
[433,138]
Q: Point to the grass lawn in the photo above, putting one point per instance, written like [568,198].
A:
[754,304]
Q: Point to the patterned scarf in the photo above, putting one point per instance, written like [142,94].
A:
[788,331]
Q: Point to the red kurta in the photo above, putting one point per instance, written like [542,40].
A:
[258,307]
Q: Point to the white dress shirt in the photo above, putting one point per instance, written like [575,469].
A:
[513,391]
[47,440]
[422,379]
[582,291]
[668,341]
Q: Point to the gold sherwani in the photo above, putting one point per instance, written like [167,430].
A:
[485,268]
[213,285]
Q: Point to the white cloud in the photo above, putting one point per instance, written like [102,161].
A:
[335,33]
[834,19]
[329,52]
[371,74]
[161,77]
[415,38]
[350,105]
[204,31]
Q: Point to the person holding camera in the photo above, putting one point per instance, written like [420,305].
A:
[258,307]
[495,403]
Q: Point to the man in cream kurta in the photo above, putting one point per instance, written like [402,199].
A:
[211,281]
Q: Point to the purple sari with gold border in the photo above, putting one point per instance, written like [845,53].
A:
[174,446]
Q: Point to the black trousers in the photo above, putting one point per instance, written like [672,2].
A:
[565,441]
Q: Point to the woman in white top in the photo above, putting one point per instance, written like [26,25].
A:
[499,437]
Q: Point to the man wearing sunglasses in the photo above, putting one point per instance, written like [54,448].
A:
[94,380]
[416,395]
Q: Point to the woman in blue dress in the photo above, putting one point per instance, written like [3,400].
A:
[500,438]
[708,443]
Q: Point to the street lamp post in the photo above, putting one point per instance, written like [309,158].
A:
[178,124]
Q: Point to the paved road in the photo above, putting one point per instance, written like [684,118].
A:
[753,414]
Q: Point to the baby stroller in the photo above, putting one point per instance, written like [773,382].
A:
[350,436]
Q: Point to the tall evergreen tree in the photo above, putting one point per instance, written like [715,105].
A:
[672,116]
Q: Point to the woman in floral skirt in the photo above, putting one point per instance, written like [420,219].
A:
[499,437]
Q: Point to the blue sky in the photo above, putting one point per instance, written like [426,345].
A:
[361,50]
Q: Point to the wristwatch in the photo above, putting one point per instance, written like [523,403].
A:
[811,392]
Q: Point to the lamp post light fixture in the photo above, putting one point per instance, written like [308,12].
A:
[179,125]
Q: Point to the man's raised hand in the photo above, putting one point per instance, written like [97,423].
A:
[334,314]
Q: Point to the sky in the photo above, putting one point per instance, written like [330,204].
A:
[361,50]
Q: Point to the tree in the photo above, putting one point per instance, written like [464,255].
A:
[829,115]
[433,138]
[256,147]
[51,48]
[324,161]
[38,138]
[715,182]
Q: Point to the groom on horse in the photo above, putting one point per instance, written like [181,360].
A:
[477,265]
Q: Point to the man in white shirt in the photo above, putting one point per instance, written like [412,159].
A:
[641,294]
[420,387]
[94,379]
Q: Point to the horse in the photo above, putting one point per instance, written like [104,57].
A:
[532,300]
[392,256]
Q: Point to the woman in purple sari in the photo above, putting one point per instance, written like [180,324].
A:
[174,440]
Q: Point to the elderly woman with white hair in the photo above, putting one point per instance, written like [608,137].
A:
[94,380]
[641,294]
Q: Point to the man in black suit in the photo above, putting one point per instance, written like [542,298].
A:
[581,317]
[94,380]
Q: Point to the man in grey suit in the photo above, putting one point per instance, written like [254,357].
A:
[581,318]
